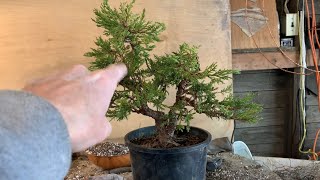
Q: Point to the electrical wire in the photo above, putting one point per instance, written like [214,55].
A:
[260,51]
[302,93]
[314,23]
[275,43]
[315,154]
[314,35]
[311,34]
[286,7]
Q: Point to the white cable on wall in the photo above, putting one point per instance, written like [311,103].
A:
[286,10]
[303,63]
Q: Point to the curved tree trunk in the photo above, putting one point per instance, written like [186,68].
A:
[165,132]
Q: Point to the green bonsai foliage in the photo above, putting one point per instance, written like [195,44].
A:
[129,38]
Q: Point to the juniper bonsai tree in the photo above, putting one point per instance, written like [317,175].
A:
[129,38]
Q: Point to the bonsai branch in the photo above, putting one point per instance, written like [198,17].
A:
[147,111]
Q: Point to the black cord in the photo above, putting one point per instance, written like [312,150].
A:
[300,5]
[234,128]
[296,120]
[295,124]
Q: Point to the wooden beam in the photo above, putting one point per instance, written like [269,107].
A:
[252,60]
[256,61]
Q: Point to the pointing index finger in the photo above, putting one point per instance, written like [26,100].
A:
[115,72]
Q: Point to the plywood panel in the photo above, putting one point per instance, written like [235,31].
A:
[39,37]
[264,40]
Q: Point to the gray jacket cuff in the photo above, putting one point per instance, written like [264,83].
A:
[34,140]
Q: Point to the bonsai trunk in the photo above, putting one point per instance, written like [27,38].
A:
[164,127]
[165,132]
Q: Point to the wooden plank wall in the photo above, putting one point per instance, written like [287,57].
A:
[263,38]
[312,110]
[312,113]
[267,137]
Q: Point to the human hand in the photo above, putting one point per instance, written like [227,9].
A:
[82,97]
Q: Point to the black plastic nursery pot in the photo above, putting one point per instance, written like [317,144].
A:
[181,163]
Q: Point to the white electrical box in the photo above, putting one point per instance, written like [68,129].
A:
[289,24]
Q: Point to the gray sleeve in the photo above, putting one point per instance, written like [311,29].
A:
[34,141]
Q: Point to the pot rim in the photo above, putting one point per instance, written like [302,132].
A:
[136,147]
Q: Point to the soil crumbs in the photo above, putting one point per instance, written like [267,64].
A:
[311,172]
[108,149]
[233,168]
[238,168]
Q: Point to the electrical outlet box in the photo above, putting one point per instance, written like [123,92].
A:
[286,42]
[289,24]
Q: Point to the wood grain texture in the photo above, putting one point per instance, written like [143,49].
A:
[312,114]
[270,117]
[268,149]
[311,100]
[312,129]
[270,99]
[256,61]
[294,125]
[39,37]
[260,135]
[272,88]
[263,81]
[241,41]
[311,85]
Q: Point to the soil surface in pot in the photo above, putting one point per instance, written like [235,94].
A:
[233,167]
[108,149]
[180,139]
